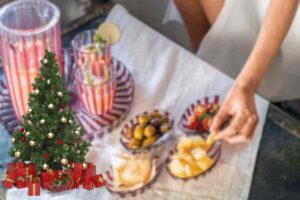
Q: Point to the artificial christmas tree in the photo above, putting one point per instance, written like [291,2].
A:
[49,136]
[48,147]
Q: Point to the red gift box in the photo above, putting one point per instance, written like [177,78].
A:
[21,182]
[9,179]
[26,170]
[98,181]
[34,187]
[87,177]
[76,172]
[49,176]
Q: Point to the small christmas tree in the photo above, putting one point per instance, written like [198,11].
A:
[49,135]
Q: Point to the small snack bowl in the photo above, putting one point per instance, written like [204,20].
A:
[198,116]
[146,131]
[193,156]
[130,175]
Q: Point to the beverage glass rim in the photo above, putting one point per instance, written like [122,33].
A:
[78,48]
[54,19]
[79,80]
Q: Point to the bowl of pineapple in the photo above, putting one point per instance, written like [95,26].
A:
[194,155]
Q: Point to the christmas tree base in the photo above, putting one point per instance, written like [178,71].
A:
[94,125]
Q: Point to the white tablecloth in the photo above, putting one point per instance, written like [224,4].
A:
[170,78]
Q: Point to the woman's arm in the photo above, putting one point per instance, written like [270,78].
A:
[239,105]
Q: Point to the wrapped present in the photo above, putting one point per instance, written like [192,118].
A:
[76,172]
[34,187]
[26,170]
[49,176]
[54,188]
[9,179]
[13,175]
[87,177]
[98,181]
[21,182]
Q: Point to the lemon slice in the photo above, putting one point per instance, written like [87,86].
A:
[109,32]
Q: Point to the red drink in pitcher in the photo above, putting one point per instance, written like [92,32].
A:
[26,28]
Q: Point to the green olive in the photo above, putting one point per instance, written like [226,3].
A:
[165,119]
[165,127]
[134,144]
[148,141]
[155,114]
[138,132]
[143,119]
[149,131]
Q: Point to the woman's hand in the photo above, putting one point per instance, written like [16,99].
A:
[239,108]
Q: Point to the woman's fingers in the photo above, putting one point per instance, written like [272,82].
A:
[250,126]
[219,119]
[235,125]
[246,132]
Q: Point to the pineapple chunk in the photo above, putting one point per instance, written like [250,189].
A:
[198,153]
[211,138]
[176,166]
[205,163]
[185,144]
[188,143]
[185,156]
[192,169]
[198,142]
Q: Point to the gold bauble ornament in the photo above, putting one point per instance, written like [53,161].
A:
[32,143]
[45,166]
[42,121]
[60,94]
[36,91]
[13,139]
[27,133]
[17,154]
[84,165]
[63,119]
[50,106]
[50,135]
[64,161]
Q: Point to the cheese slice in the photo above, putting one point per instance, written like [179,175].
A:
[130,171]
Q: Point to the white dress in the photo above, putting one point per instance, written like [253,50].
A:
[229,42]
